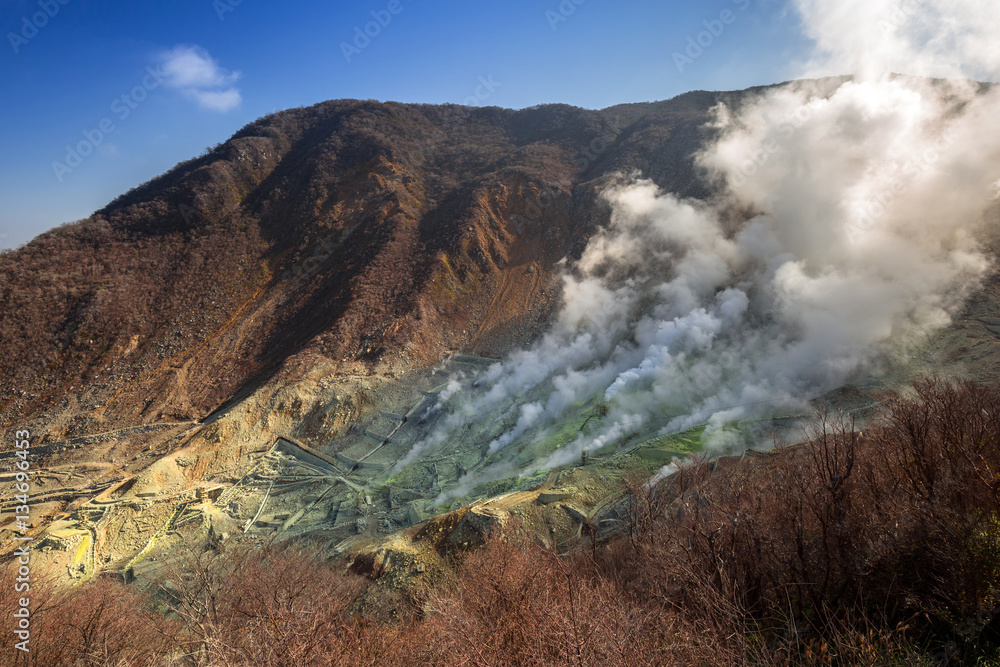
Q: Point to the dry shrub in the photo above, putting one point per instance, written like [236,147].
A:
[893,527]
[873,547]
[275,607]
[517,604]
[96,624]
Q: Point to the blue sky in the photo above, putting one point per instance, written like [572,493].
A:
[80,73]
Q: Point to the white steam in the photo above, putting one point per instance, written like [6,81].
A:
[870,38]
[865,198]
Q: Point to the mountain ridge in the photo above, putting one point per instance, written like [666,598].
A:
[284,214]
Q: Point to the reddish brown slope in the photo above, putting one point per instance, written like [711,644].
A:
[374,236]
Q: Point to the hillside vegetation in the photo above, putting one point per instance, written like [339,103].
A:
[370,235]
[857,548]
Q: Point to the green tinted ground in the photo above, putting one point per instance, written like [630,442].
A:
[646,457]
[661,450]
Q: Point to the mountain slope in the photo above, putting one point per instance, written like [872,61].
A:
[262,342]
[375,235]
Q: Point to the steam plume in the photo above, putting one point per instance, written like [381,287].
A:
[867,198]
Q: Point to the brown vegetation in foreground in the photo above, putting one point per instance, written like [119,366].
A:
[860,548]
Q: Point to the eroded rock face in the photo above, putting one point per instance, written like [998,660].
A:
[477,524]
[555,495]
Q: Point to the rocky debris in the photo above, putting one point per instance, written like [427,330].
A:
[555,495]
[212,492]
[477,525]
[413,515]
[574,513]
[52,543]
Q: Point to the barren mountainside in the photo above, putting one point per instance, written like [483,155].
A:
[373,236]
[293,338]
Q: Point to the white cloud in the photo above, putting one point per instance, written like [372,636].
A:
[193,71]
[944,38]
[217,100]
